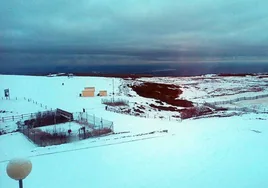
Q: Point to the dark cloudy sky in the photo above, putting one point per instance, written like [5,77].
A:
[136,30]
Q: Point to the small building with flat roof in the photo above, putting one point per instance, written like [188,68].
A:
[102,93]
[88,92]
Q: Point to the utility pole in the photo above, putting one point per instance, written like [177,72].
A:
[113,90]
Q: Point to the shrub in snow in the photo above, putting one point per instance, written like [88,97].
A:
[194,112]
[116,102]
[44,119]
[43,138]
[2,132]
[100,132]
[138,111]
[52,139]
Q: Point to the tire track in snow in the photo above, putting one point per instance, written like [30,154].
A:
[89,147]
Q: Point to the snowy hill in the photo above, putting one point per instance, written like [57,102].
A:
[206,152]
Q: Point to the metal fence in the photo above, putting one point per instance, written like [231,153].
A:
[236,100]
[145,115]
[215,105]
[42,138]
[93,122]
[243,109]
[91,126]
[19,117]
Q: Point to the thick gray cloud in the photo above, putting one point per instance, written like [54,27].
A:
[147,29]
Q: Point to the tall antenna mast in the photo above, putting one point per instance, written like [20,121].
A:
[113,89]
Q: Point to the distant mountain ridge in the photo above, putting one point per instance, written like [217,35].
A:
[182,69]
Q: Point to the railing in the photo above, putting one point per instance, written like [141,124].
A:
[65,114]
[92,121]
[17,117]
[21,116]
[236,100]
[145,115]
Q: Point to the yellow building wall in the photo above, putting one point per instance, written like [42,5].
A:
[89,89]
[103,93]
[86,93]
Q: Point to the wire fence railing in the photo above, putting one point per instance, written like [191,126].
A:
[216,105]
[30,125]
[145,115]
[30,100]
[91,126]
[92,121]
[237,100]
[17,117]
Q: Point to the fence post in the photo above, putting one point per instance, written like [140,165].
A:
[112,126]
[99,128]
[13,118]
[55,118]
[94,119]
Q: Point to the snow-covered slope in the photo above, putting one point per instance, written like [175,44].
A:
[212,152]
[215,88]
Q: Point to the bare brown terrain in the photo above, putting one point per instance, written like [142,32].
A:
[163,92]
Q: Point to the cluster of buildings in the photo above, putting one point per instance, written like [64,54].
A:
[90,92]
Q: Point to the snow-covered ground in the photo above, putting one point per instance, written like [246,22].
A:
[212,88]
[212,152]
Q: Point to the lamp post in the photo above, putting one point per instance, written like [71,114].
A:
[19,169]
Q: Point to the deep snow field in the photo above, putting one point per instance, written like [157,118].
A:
[210,152]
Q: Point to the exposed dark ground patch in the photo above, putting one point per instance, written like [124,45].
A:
[165,108]
[163,92]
